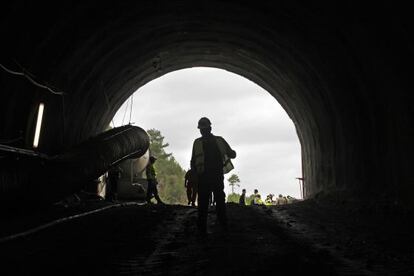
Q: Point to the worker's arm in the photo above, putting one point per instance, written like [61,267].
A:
[186,180]
[192,162]
[229,151]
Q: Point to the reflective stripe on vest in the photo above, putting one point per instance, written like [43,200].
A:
[199,156]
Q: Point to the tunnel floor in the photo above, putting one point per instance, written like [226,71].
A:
[307,237]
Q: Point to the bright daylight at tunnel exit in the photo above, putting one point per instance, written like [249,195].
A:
[251,119]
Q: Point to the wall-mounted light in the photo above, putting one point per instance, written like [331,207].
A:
[38,125]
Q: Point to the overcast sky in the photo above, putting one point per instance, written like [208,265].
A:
[247,116]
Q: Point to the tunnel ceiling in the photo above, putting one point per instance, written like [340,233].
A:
[331,66]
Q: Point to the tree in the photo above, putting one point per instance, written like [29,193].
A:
[157,144]
[233,181]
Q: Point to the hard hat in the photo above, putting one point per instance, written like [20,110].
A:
[204,123]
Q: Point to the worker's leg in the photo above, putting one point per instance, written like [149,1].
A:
[220,198]
[150,191]
[157,197]
[203,195]
[115,190]
[189,193]
[110,188]
[194,195]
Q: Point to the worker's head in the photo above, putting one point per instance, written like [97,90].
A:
[244,191]
[152,159]
[256,191]
[204,125]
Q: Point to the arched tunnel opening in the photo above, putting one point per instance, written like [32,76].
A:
[340,70]
[330,78]
[251,120]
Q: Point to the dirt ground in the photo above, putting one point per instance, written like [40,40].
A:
[306,237]
[377,236]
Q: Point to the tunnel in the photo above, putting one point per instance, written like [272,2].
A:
[340,70]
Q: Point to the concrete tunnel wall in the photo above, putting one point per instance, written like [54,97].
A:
[341,71]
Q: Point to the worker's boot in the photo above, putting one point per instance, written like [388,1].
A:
[159,201]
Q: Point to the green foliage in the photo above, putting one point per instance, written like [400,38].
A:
[157,144]
[170,175]
[233,197]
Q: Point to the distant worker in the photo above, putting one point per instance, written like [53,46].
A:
[281,200]
[242,199]
[269,199]
[258,200]
[291,199]
[152,190]
[211,159]
[114,174]
[254,196]
[190,183]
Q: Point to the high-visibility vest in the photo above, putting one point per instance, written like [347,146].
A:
[199,155]
[258,201]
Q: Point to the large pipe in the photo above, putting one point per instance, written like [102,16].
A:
[51,179]
[92,158]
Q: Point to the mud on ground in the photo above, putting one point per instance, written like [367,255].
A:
[313,236]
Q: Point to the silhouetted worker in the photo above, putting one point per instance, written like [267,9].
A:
[258,200]
[211,159]
[281,200]
[269,199]
[152,190]
[254,197]
[242,199]
[190,183]
[114,174]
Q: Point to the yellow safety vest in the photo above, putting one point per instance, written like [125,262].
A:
[198,155]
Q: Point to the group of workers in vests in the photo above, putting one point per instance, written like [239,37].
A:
[280,200]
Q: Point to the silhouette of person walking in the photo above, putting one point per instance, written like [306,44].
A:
[190,183]
[211,159]
[152,190]
[242,199]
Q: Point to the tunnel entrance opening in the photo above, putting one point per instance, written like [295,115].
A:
[331,67]
[249,118]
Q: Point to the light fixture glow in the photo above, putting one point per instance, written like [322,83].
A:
[38,125]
